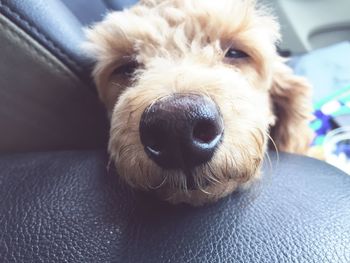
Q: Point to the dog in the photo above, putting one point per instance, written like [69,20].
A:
[196,92]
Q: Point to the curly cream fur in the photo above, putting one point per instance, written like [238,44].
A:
[179,47]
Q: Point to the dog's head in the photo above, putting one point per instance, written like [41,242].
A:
[194,90]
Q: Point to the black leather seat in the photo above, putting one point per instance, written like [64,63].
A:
[60,203]
[66,207]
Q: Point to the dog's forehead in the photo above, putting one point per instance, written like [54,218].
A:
[216,19]
[175,24]
[182,28]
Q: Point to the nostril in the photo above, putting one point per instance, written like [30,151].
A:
[206,131]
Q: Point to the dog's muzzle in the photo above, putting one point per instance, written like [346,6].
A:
[181,131]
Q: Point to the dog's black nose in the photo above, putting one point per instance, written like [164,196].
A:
[181,131]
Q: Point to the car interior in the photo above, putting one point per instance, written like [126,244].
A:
[61,201]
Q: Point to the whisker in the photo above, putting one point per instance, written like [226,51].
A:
[183,185]
[109,163]
[275,146]
[204,191]
[212,176]
[233,164]
[160,185]
[269,162]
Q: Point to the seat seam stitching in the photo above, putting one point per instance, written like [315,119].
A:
[37,51]
[41,35]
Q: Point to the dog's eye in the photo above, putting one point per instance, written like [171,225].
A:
[127,69]
[235,54]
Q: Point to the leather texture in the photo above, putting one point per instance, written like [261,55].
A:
[87,12]
[119,4]
[43,105]
[51,24]
[93,11]
[47,100]
[58,26]
[66,207]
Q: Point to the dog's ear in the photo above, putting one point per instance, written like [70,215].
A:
[107,46]
[291,98]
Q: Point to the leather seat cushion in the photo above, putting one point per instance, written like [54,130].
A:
[66,207]
[93,11]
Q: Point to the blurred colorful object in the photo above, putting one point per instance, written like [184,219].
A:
[326,110]
[337,148]
[328,70]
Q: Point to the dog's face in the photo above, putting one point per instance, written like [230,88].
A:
[194,90]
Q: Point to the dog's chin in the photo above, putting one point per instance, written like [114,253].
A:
[197,197]
[175,187]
